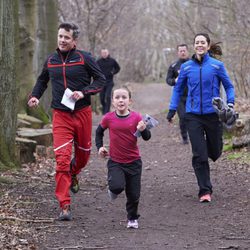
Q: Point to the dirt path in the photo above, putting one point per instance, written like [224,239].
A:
[171,216]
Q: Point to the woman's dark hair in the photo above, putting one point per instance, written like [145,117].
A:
[215,50]
[205,35]
[70,26]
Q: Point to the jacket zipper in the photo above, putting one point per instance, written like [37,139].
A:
[64,69]
[213,88]
[201,89]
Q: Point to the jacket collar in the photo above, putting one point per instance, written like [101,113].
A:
[203,59]
[65,52]
[183,60]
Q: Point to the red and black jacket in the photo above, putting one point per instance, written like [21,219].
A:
[77,71]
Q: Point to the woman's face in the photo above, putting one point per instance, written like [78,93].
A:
[200,46]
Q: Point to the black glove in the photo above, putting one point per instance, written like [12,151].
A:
[231,115]
[226,112]
[171,114]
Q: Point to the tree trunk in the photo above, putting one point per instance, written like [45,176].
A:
[38,32]
[46,40]
[27,39]
[8,80]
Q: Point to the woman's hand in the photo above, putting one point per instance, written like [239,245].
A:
[170,115]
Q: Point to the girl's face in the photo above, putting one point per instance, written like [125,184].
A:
[121,101]
[200,46]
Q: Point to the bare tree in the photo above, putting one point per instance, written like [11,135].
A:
[96,18]
[140,32]
[8,81]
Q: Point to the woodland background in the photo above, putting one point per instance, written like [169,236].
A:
[141,34]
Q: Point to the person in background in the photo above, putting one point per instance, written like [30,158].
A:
[109,67]
[172,77]
[124,164]
[203,76]
[69,68]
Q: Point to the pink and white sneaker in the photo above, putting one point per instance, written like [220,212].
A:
[133,224]
[205,198]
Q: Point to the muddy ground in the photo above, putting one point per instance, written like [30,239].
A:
[171,216]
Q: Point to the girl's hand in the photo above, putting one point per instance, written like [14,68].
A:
[103,152]
[141,126]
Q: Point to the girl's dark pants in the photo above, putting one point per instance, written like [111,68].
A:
[126,176]
[205,133]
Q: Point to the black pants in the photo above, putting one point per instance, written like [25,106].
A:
[105,97]
[126,176]
[205,133]
[181,110]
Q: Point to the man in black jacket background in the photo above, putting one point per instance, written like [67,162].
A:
[109,67]
[172,76]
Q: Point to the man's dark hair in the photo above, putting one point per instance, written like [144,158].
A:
[70,26]
[181,45]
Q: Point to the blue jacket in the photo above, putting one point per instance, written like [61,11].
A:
[203,80]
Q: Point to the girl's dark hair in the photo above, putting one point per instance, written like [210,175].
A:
[125,88]
[215,49]
[70,26]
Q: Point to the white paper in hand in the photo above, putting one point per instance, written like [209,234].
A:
[67,99]
[150,123]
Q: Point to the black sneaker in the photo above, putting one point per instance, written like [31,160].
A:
[74,187]
[74,184]
[65,214]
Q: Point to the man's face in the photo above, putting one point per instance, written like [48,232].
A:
[65,41]
[104,53]
[182,52]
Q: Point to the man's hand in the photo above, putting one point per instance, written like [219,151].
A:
[103,152]
[33,102]
[77,95]
[170,115]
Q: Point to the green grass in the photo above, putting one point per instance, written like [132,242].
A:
[5,180]
[227,135]
[240,156]
[227,138]
[227,147]
[235,155]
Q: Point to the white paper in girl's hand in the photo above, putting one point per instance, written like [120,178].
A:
[67,99]
[150,123]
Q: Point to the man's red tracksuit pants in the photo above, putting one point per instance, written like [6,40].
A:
[70,128]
